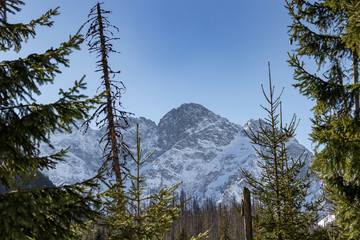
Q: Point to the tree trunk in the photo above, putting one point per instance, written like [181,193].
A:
[110,116]
[247,214]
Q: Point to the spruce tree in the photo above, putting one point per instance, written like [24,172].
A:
[280,188]
[327,32]
[144,216]
[37,212]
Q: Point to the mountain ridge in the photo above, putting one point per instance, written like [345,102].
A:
[192,144]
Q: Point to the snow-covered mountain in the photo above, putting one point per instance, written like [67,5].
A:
[192,144]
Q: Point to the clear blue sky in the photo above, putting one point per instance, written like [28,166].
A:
[211,52]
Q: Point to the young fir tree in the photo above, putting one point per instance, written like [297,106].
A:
[108,114]
[36,212]
[328,32]
[145,216]
[281,191]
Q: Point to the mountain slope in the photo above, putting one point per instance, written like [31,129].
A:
[192,144]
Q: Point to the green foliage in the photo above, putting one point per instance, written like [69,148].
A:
[201,236]
[13,34]
[45,213]
[283,184]
[37,212]
[134,214]
[328,32]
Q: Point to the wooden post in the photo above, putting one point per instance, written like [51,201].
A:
[247,214]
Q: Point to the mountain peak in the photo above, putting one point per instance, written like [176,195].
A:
[176,124]
[192,107]
[186,110]
[184,117]
[193,145]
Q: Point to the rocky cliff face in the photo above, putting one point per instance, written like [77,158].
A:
[192,144]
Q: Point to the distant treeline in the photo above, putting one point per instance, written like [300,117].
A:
[222,221]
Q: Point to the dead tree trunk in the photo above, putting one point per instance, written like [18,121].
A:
[115,145]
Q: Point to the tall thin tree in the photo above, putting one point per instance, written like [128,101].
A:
[281,189]
[108,114]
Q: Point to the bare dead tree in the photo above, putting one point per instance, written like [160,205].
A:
[109,113]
